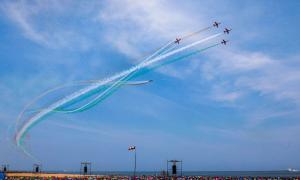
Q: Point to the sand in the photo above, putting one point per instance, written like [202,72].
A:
[58,175]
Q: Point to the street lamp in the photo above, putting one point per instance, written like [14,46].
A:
[133,148]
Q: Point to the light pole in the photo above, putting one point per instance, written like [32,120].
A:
[133,148]
[134,163]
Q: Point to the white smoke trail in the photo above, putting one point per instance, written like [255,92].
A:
[164,49]
[27,106]
[83,91]
[145,64]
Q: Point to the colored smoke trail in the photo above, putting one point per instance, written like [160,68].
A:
[27,126]
[101,82]
[102,96]
[119,78]
[81,83]
[164,49]
[156,53]
[98,86]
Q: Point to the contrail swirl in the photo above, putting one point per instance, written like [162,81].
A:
[104,88]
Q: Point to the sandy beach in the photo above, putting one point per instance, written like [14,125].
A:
[45,175]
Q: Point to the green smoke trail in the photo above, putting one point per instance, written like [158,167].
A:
[113,87]
[131,76]
[99,98]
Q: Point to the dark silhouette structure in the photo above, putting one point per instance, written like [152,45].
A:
[36,168]
[86,168]
[5,168]
[173,164]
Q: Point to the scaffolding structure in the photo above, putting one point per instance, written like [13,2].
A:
[37,168]
[5,168]
[173,167]
[86,168]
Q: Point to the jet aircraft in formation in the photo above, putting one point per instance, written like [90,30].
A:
[224,42]
[226,31]
[215,24]
[177,40]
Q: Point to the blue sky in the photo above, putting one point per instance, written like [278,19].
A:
[230,108]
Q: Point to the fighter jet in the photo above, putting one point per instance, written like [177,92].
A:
[216,24]
[224,42]
[177,40]
[226,31]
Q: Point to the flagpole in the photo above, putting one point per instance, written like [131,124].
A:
[133,148]
[134,163]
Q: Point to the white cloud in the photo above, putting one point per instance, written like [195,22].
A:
[219,93]
[266,114]
[34,18]
[132,25]
[234,61]
[278,80]
[253,72]
[20,15]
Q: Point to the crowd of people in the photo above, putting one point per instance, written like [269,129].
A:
[148,178]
